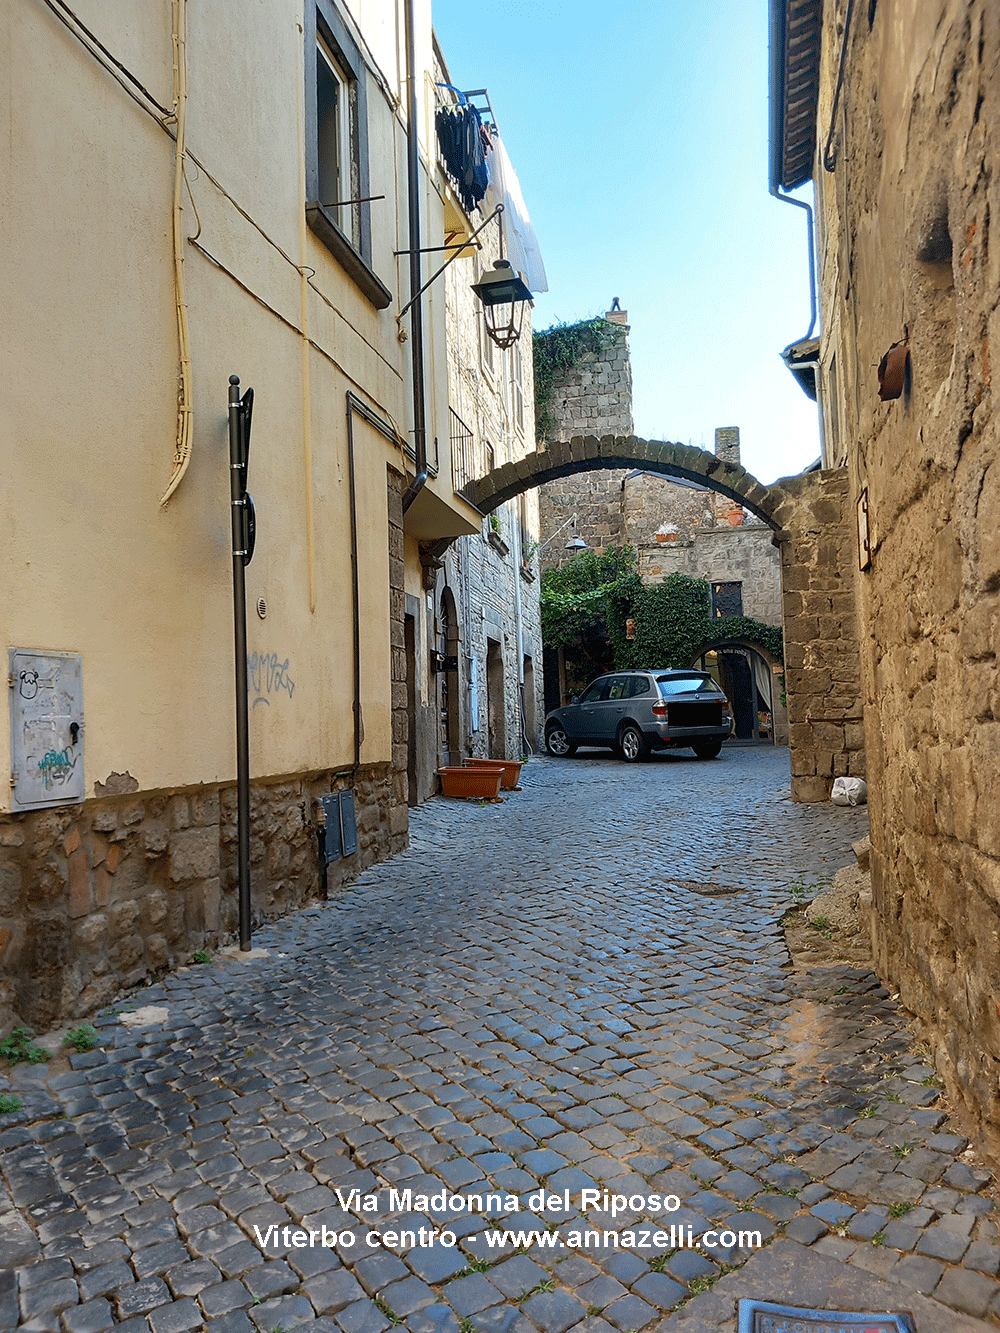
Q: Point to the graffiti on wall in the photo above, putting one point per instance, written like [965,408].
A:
[267,677]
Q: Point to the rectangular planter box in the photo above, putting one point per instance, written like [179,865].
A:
[511,769]
[480,782]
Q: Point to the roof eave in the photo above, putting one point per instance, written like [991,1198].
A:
[795,32]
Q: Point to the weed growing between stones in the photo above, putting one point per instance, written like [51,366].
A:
[83,1038]
[9,1104]
[202,956]
[18,1048]
[394,1318]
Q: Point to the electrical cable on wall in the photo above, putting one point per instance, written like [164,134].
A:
[182,449]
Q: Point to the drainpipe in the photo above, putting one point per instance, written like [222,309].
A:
[416,309]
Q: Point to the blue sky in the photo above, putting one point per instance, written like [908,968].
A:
[639,134]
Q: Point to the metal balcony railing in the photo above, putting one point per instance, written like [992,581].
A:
[470,458]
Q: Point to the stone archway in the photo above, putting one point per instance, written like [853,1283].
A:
[587,453]
[813,521]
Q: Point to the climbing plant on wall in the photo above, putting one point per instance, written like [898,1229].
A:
[575,601]
[587,604]
[557,351]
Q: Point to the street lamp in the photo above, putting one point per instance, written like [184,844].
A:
[504,297]
[575,543]
[501,289]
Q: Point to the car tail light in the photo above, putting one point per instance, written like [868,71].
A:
[659,710]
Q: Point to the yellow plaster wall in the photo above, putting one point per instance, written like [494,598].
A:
[93,564]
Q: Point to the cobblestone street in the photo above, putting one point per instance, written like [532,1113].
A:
[585,988]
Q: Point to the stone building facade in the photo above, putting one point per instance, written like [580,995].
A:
[904,150]
[117,836]
[673,527]
[481,590]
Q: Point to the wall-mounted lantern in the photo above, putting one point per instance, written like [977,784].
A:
[504,297]
[503,293]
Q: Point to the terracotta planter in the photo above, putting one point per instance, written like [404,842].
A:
[511,770]
[483,783]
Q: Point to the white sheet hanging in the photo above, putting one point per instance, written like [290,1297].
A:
[520,241]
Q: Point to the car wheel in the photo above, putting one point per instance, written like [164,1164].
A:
[707,749]
[557,742]
[632,744]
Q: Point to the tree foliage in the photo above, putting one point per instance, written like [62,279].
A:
[575,601]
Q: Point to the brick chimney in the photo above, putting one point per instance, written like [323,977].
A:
[616,315]
[727,444]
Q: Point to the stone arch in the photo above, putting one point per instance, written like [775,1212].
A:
[587,453]
[813,520]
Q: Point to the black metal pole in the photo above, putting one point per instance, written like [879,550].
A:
[237,491]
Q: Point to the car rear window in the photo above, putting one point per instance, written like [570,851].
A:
[672,685]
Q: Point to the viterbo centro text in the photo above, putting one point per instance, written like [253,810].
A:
[411,1231]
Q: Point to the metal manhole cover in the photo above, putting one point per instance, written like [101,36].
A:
[765,1317]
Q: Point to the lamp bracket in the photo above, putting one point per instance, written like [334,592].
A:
[495,214]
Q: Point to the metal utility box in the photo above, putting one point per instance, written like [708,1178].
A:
[46,728]
[340,835]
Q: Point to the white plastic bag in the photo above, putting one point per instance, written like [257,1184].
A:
[849,791]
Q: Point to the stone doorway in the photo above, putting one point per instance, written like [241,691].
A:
[496,732]
[450,743]
[753,680]
[410,646]
[528,704]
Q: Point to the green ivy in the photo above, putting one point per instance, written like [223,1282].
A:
[557,351]
[670,622]
[751,631]
[575,600]
[587,603]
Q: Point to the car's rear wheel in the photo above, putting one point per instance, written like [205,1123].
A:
[632,744]
[706,749]
[557,742]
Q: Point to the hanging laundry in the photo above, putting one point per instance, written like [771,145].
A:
[462,140]
[520,240]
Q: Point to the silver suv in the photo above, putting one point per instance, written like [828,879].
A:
[634,712]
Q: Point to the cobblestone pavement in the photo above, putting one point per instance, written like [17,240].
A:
[584,988]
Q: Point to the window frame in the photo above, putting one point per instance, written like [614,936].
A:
[326,28]
[719,611]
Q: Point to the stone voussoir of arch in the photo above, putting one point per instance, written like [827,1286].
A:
[584,453]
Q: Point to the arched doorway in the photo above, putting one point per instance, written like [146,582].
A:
[450,739]
[754,682]
[528,703]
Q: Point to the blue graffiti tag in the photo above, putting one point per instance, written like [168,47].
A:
[55,767]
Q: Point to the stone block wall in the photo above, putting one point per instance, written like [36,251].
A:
[399,818]
[492,392]
[105,895]
[909,219]
[594,398]
[744,554]
[819,563]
